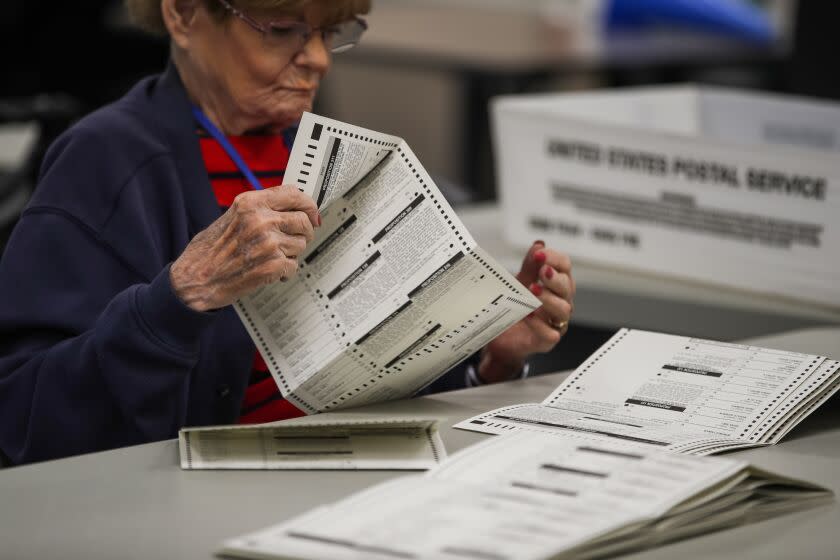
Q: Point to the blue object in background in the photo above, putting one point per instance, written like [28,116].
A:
[734,18]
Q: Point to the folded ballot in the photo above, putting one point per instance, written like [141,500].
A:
[676,393]
[314,443]
[392,292]
[536,496]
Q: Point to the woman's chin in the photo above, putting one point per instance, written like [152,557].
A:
[291,113]
[279,113]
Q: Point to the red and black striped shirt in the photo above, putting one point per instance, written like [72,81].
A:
[267,156]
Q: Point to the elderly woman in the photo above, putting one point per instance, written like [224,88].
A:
[116,325]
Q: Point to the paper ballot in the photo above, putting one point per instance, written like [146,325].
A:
[535,496]
[393,291]
[313,443]
[682,394]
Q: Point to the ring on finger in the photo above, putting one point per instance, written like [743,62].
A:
[557,325]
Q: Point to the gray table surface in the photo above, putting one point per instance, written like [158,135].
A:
[137,503]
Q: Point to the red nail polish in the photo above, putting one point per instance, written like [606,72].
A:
[319,219]
[539,257]
[536,289]
[549,272]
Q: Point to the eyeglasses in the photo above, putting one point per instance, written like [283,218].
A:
[291,36]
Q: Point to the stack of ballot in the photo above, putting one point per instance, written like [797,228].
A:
[535,496]
[314,443]
[681,394]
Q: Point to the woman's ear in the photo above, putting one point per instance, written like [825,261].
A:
[180,18]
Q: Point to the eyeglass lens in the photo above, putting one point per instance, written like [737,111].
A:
[337,38]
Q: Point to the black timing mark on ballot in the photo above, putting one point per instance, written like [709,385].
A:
[588,449]
[653,404]
[695,371]
[413,346]
[434,276]
[350,544]
[570,470]
[399,218]
[330,452]
[328,172]
[529,486]
[353,275]
[323,247]
[280,438]
[383,322]
[316,131]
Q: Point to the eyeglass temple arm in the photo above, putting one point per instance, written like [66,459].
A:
[243,16]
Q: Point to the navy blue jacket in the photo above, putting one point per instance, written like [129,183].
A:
[96,351]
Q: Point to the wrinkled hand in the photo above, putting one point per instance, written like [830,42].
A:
[548,274]
[255,242]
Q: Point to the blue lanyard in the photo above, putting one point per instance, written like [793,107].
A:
[227,146]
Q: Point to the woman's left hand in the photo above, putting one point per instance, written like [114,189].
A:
[548,274]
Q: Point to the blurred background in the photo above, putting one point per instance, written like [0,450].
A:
[426,70]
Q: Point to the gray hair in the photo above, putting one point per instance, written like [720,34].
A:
[146,14]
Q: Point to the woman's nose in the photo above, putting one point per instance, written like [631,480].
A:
[315,53]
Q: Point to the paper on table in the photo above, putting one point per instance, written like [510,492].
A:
[682,394]
[314,443]
[531,496]
[392,292]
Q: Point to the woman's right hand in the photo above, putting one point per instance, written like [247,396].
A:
[256,242]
